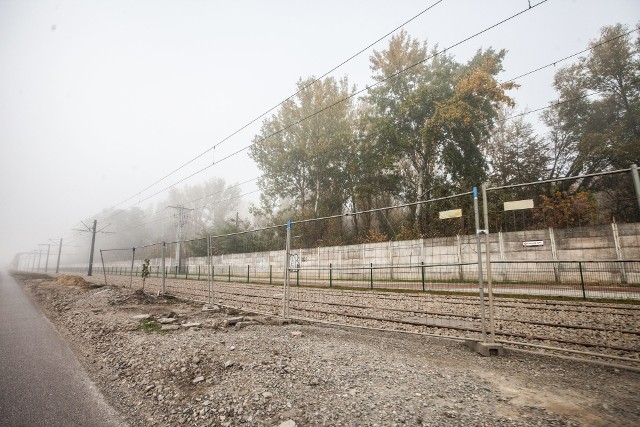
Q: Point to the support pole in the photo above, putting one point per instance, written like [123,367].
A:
[485,215]
[482,346]
[479,252]
[636,182]
[103,269]
[59,253]
[287,271]
[46,264]
[93,243]
[209,269]
[133,258]
[164,269]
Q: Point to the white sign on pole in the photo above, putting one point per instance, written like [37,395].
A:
[518,204]
[454,213]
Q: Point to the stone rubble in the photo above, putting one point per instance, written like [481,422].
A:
[289,375]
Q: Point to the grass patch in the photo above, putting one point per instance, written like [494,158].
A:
[150,326]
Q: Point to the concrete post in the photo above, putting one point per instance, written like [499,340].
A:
[619,254]
[636,182]
[554,254]
[459,253]
[503,268]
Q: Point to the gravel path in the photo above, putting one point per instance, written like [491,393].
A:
[597,331]
[227,368]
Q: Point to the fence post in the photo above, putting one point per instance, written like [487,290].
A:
[554,254]
[584,293]
[636,182]
[487,247]
[459,253]
[503,266]
[619,254]
[229,273]
[287,271]
[270,274]
[103,270]
[209,269]
[330,275]
[133,257]
[371,274]
[479,252]
[422,273]
[164,268]
[248,266]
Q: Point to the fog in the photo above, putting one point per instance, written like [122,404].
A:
[104,104]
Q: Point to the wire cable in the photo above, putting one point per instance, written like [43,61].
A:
[351,96]
[277,105]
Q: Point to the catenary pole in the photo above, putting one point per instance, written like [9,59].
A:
[93,242]
[59,252]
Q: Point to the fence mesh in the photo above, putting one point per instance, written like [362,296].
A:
[416,267]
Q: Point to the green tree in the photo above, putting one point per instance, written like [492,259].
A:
[433,114]
[516,154]
[596,124]
[302,150]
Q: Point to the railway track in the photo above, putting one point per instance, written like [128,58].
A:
[607,332]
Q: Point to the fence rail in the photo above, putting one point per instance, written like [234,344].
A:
[608,279]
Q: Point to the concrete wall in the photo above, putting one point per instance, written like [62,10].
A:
[446,258]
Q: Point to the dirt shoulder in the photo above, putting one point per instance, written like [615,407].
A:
[225,368]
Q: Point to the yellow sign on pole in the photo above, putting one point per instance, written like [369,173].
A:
[454,213]
[518,204]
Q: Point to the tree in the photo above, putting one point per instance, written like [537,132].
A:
[596,123]
[516,154]
[303,148]
[433,115]
[562,209]
[145,271]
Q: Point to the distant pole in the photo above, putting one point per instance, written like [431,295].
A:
[46,264]
[93,242]
[39,257]
[59,252]
[181,221]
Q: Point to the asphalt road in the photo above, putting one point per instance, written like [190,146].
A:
[41,381]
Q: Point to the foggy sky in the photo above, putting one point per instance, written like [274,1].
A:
[100,99]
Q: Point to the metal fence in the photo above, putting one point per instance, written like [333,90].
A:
[351,268]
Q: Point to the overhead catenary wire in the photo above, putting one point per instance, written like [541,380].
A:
[276,106]
[573,55]
[554,104]
[395,74]
[195,208]
[554,63]
[352,95]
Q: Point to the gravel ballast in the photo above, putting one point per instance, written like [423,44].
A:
[166,362]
